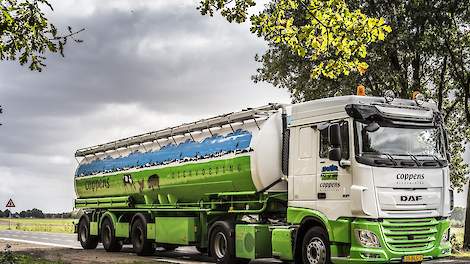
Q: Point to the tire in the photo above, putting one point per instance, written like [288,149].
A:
[108,237]
[86,240]
[142,246]
[316,246]
[222,244]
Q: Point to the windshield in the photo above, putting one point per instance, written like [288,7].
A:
[400,141]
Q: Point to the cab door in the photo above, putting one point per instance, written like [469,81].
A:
[333,181]
[304,162]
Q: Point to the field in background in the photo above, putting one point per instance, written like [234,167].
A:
[39,224]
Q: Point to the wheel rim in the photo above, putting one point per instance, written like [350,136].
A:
[220,245]
[83,233]
[316,251]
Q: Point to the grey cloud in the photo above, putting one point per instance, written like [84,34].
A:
[136,71]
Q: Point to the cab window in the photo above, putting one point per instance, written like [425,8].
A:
[325,145]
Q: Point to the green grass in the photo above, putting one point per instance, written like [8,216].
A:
[38,225]
[27,259]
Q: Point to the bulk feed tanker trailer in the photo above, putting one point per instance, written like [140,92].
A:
[353,178]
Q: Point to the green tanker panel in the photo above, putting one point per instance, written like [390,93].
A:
[184,183]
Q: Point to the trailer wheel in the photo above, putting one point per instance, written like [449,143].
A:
[142,246]
[86,240]
[108,237]
[222,244]
[315,246]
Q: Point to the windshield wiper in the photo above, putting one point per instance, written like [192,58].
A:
[413,157]
[434,157]
[391,158]
[438,160]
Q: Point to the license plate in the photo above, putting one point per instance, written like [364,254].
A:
[413,258]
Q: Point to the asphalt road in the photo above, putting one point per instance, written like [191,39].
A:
[186,255]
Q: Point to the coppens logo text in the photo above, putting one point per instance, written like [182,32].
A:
[410,176]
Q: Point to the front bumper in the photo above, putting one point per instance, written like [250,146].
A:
[399,238]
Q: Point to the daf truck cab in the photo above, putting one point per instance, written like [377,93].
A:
[377,169]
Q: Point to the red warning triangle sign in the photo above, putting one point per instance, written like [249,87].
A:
[10,203]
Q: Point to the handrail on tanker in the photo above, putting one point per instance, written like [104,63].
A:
[217,121]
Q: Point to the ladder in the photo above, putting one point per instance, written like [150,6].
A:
[208,123]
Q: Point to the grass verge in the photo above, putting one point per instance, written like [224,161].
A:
[38,225]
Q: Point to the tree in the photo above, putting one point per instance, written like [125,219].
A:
[27,35]
[331,37]
[7,213]
[427,51]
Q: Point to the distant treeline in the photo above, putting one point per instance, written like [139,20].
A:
[34,213]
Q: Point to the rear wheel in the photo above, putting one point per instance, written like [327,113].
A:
[86,240]
[108,237]
[222,245]
[141,245]
[316,247]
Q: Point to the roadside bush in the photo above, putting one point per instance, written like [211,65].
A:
[7,256]
[457,246]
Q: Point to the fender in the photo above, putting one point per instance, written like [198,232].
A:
[110,216]
[298,216]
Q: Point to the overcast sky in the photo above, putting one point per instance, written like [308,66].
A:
[143,66]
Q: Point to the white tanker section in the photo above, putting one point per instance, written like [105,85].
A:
[261,140]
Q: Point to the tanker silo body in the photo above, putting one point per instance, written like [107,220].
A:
[238,152]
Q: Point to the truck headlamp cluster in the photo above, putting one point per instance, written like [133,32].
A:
[445,237]
[367,238]
[389,96]
[419,98]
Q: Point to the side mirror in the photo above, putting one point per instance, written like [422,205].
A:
[372,127]
[334,154]
[334,136]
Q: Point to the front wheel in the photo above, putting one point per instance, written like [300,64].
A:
[316,247]
[86,240]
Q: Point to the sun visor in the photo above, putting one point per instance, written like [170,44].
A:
[372,112]
[405,112]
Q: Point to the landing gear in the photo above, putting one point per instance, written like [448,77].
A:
[108,237]
[141,245]
[169,247]
[86,240]
[201,250]
[316,247]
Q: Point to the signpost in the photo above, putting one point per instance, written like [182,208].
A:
[10,204]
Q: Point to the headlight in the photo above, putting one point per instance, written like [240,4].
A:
[419,98]
[446,236]
[367,238]
[389,96]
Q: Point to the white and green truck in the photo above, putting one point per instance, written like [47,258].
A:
[350,179]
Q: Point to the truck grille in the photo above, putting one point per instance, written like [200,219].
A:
[406,235]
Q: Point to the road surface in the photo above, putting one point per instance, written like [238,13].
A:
[186,255]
